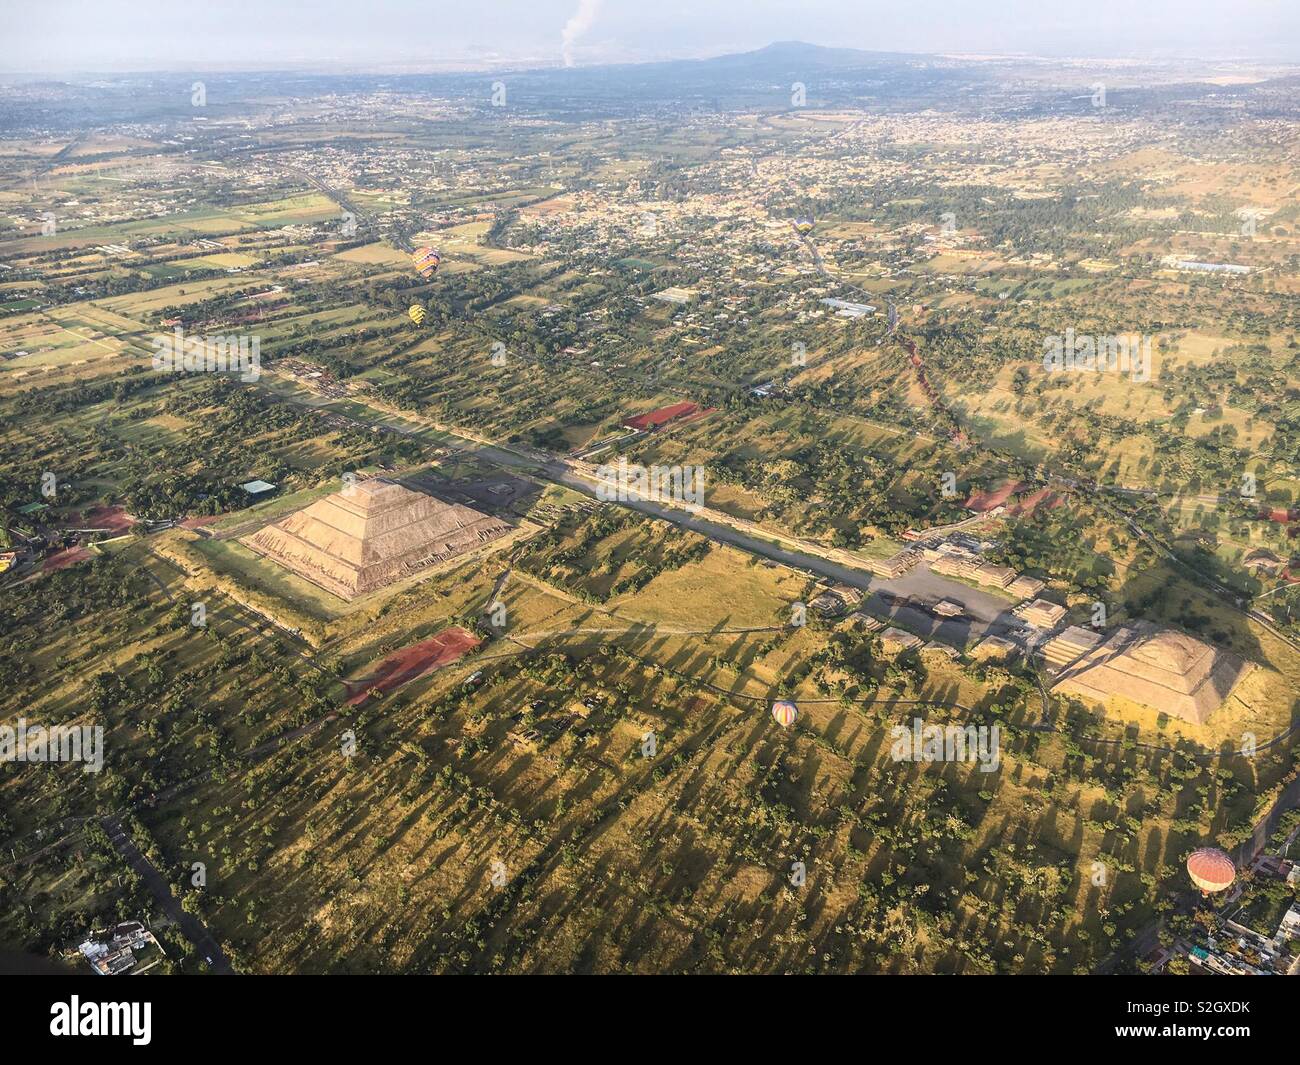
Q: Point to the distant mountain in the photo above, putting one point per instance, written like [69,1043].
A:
[799,54]
[776,59]
[761,79]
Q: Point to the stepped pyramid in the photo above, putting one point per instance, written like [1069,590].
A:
[371,534]
[1159,668]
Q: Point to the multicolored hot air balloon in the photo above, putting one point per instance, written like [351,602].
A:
[416,313]
[784,713]
[426,261]
[1211,870]
[803,224]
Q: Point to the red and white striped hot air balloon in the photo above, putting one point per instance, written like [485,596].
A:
[1211,870]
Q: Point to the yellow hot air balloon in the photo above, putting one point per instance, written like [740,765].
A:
[416,313]
[784,713]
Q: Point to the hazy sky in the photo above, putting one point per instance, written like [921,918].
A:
[57,36]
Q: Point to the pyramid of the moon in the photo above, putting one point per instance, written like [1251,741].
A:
[1160,668]
[371,534]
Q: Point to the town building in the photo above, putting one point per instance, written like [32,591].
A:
[114,952]
[849,310]
[1263,560]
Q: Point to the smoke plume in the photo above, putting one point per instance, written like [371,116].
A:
[579,23]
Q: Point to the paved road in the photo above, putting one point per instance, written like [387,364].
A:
[494,596]
[193,929]
[334,194]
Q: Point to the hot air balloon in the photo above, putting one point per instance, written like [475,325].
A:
[803,224]
[416,313]
[1211,870]
[784,713]
[426,261]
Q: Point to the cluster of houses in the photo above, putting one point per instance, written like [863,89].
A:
[317,379]
[545,729]
[116,951]
[1247,943]
[1264,563]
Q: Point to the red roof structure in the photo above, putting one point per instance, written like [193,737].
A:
[1281,515]
[411,662]
[983,502]
[1044,497]
[662,416]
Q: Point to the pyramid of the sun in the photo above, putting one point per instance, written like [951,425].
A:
[370,534]
[1160,668]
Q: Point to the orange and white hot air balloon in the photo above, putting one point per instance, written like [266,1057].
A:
[1211,870]
[784,713]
